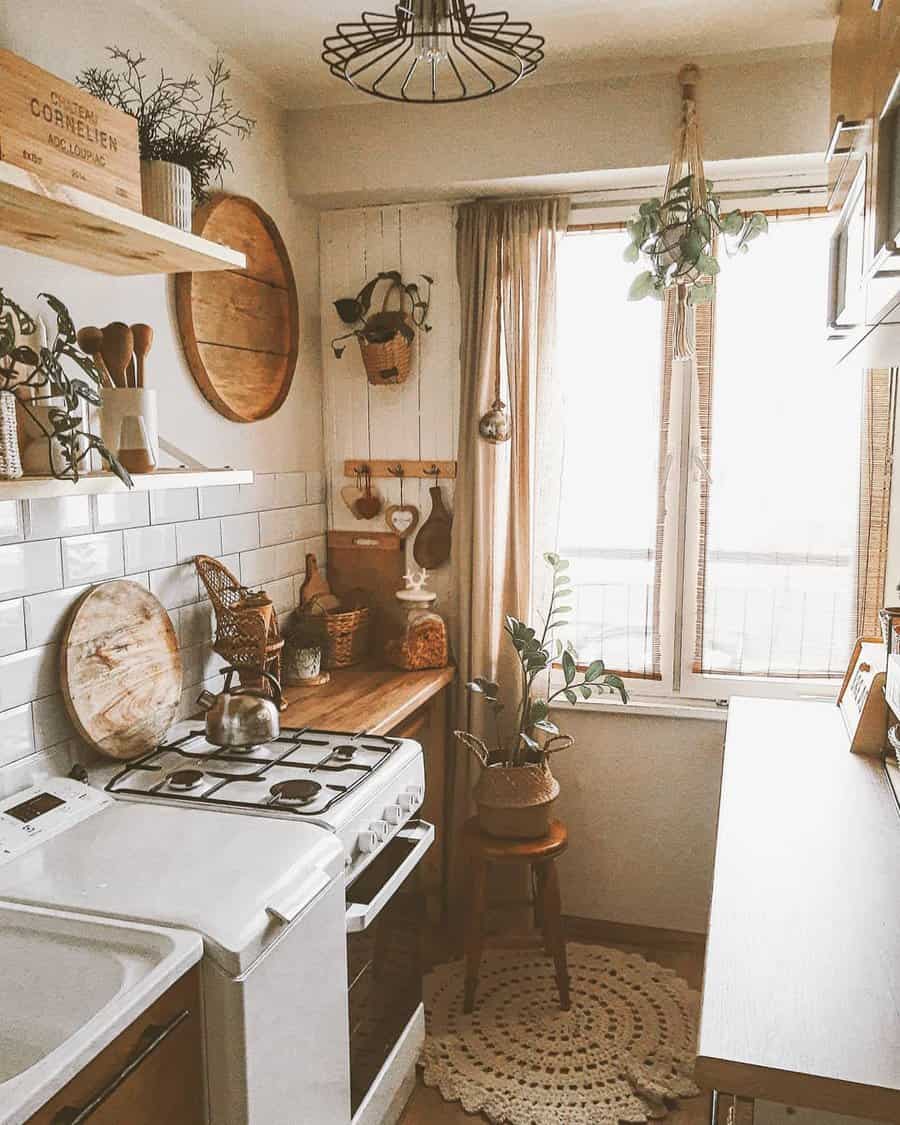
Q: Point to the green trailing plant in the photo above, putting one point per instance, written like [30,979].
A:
[182,121]
[39,376]
[677,236]
[382,326]
[535,736]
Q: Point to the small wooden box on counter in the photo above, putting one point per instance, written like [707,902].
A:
[63,135]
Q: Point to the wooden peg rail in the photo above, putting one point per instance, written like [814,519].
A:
[427,470]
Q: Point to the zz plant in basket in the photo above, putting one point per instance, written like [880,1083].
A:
[385,337]
[516,788]
[35,377]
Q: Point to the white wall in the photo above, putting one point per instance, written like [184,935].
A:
[64,38]
[375,151]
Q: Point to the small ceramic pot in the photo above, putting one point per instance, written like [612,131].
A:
[166,193]
[302,663]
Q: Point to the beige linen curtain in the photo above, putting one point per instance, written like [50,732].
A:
[506,495]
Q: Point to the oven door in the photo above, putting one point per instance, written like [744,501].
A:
[386,916]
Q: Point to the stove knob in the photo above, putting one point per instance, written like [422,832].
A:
[407,802]
[380,828]
[367,842]
[393,814]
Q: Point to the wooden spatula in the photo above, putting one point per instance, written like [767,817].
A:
[118,348]
[316,587]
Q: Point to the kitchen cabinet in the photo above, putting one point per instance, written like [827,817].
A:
[153,1072]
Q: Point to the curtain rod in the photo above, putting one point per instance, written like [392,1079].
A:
[631,201]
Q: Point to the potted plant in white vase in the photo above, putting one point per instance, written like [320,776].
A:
[516,789]
[181,126]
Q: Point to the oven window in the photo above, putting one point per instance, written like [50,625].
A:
[386,965]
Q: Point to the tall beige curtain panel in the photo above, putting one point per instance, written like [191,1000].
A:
[504,501]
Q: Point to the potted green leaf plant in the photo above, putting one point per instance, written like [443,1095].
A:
[385,336]
[516,789]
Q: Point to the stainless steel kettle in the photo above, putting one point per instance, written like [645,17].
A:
[243,717]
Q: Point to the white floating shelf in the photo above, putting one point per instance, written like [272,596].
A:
[39,488]
[61,222]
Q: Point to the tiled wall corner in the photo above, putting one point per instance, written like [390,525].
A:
[52,551]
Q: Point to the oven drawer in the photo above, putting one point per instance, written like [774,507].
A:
[384,876]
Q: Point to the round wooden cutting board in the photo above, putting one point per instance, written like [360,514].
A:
[240,328]
[121,669]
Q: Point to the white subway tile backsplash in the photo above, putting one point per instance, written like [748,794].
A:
[174,585]
[240,533]
[174,507]
[57,516]
[30,568]
[36,768]
[51,722]
[201,537]
[45,614]
[93,558]
[290,559]
[196,624]
[150,548]
[317,546]
[222,501]
[118,510]
[290,489]
[11,529]
[278,526]
[282,594]
[16,737]
[28,675]
[12,627]
[311,521]
[258,496]
[315,488]
[258,566]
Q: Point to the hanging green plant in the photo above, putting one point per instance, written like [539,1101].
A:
[39,376]
[678,236]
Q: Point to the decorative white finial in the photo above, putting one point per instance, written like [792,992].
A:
[416,579]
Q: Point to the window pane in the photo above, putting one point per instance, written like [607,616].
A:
[609,362]
[784,463]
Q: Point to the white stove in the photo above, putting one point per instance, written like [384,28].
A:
[286,858]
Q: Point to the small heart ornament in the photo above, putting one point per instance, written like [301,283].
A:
[402,518]
[350,494]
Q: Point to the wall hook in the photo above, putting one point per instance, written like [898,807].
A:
[433,471]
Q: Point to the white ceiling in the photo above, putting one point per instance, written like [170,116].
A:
[280,40]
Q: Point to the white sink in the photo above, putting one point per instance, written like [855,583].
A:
[69,985]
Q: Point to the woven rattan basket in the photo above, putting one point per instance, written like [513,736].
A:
[343,634]
[387,364]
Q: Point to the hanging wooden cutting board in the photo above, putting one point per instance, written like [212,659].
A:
[432,546]
[120,669]
[240,328]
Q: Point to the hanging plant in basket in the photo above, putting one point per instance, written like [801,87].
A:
[678,234]
[386,336]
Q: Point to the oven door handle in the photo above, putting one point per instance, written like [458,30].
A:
[360,915]
[288,907]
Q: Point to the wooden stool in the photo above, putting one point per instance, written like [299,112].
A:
[540,856]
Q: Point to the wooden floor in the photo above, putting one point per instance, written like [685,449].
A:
[427,1107]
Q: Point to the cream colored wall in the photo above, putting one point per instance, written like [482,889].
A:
[375,151]
[64,38]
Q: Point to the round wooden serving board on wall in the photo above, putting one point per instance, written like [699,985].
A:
[240,328]
[120,669]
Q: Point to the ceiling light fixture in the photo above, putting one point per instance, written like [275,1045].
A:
[433,52]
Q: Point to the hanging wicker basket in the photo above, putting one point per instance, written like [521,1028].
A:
[388,362]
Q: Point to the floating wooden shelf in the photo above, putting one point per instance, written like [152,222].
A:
[58,221]
[39,488]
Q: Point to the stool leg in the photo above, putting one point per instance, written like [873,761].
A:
[475,930]
[540,912]
[552,908]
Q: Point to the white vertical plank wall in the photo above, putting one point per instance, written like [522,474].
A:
[418,419]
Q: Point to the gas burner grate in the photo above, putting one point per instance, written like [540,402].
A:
[340,750]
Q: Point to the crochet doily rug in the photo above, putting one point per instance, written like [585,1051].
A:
[624,1053]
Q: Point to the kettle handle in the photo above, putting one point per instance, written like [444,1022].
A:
[230,671]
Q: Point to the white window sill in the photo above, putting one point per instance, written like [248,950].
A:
[704,709]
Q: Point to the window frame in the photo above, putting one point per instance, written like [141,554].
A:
[679,685]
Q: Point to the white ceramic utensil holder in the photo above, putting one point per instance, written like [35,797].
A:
[120,403]
[166,193]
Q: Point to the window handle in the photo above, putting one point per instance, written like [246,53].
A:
[700,467]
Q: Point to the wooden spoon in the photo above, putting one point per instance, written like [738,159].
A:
[90,340]
[118,348]
[143,340]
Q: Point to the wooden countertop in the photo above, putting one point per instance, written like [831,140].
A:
[801,999]
[370,698]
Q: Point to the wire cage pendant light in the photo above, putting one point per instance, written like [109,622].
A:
[433,52]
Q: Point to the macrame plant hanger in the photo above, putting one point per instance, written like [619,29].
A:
[687,160]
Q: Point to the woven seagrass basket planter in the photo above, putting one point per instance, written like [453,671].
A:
[515,802]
